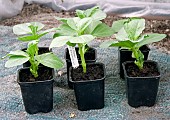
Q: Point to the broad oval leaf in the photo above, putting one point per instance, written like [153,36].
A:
[50,60]
[117,25]
[92,26]
[126,44]
[19,53]
[66,30]
[134,28]
[22,29]
[99,15]
[16,60]
[150,38]
[102,30]
[122,35]
[59,41]
[73,22]
[83,24]
[82,39]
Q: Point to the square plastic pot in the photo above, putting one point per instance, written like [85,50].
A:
[141,91]
[90,57]
[90,93]
[37,96]
[126,55]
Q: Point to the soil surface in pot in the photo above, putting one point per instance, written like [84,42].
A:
[44,74]
[149,69]
[94,71]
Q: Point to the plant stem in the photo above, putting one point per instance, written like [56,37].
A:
[82,52]
[34,63]
[139,57]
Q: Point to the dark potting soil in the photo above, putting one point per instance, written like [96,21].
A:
[94,71]
[44,74]
[149,69]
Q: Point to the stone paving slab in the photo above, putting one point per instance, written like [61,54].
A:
[116,107]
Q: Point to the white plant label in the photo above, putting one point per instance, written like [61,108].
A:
[73,56]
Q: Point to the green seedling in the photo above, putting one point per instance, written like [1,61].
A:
[32,33]
[130,36]
[81,30]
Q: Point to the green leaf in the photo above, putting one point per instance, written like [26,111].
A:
[28,38]
[92,26]
[91,11]
[126,44]
[22,29]
[19,53]
[80,14]
[83,24]
[50,60]
[81,39]
[95,13]
[117,25]
[66,30]
[16,60]
[38,24]
[73,22]
[102,30]
[99,15]
[150,38]
[59,41]
[122,35]
[134,28]
[49,30]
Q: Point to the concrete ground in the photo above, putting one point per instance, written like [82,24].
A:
[116,107]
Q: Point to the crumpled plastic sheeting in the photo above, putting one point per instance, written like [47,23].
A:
[157,9]
[9,8]
[128,8]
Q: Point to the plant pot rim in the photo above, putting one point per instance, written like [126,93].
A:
[35,82]
[39,47]
[86,52]
[99,63]
[124,64]
[125,49]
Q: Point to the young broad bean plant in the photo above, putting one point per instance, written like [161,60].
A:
[130,36]
[81,30]
[32,33]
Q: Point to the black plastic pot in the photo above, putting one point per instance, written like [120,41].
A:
[37,96]
[90,93]
[141,91]
[126,55]
[90,57]
[41,51]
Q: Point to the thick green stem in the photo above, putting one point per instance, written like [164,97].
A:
[34,63]
[82,52]
[139,57]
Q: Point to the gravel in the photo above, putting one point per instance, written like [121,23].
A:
[40,13]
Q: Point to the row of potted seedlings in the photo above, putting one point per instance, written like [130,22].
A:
[84,74]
